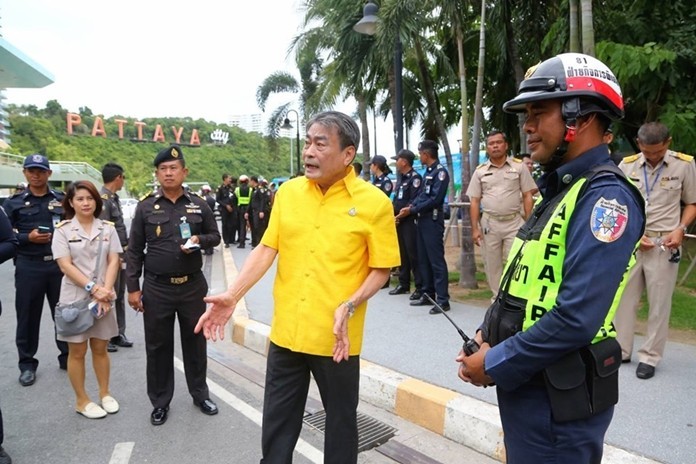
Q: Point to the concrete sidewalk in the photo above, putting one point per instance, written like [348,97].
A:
[408,368]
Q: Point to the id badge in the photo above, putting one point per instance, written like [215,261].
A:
[401,194]
[185,229]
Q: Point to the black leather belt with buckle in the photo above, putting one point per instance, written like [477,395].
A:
[173,280]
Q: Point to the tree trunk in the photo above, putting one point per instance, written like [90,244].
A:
[365,132]
[573,23]
[518,68]
[588,43]
[467,258]
[478,105]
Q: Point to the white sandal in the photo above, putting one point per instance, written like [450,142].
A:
[109,404]
[92,411]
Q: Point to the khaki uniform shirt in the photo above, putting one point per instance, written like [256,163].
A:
[501,188]
[663,187]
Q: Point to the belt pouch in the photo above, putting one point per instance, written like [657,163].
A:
[603,360]
[567,388]
[504,318]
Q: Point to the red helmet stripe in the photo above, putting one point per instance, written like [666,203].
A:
[595,85]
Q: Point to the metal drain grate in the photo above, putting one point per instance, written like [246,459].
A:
[371,432]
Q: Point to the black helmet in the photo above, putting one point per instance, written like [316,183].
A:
[567,76]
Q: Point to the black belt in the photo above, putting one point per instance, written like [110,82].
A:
[36,258]
[173,279]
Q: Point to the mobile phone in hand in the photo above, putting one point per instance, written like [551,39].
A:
[94,307]
[44,229]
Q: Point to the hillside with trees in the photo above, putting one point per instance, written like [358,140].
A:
[44,131]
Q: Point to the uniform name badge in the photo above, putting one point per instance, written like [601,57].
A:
[401,193]
[185,228]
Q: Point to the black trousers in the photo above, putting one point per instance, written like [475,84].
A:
[258,228]
[431,257]
[242,223]
[35,280]
[120,304]
[162,304]
[229,225]
[287,385]
[407,234]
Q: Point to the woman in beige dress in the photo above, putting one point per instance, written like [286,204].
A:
[75,245]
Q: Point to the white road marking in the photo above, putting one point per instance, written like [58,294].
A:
[122,453]
[302,447]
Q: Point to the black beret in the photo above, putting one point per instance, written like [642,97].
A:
[172,153]
[427,145]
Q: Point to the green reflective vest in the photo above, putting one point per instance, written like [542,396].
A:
[243,201]
[538,271]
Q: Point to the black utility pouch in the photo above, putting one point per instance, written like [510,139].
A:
[567,388]
[504,318]
[602,361]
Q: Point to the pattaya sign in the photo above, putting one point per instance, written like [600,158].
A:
[158,135]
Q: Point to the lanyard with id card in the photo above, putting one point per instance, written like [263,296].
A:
[185,228]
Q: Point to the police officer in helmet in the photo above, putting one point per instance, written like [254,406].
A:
[552,318]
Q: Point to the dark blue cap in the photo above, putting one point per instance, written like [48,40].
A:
[171,153]
[36,161]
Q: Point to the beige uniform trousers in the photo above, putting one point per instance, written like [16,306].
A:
[652,272]
[497,241]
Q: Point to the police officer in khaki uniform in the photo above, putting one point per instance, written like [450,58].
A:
[173,288]
[113,178]
[665,178]
[495,191]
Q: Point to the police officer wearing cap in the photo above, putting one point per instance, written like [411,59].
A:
[228,210]
[408,189]
[114,178]
[210,200]
[380,170]
[259,210]
[172,225]
[34,213]
[427,208]
[548,342]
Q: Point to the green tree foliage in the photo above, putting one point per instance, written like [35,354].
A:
[45,131]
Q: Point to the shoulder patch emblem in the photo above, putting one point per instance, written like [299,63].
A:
[105,196]
[441,175]
[388,185]
[416,182]
[608,220]
[684,157]
[631,159]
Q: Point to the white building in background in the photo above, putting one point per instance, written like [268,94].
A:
[249,122]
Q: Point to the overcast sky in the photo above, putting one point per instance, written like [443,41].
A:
[152,58]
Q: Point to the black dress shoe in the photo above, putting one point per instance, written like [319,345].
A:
[241,245]
[4,457]
[207,406]
[436,310]
[417,295]
[27,378]
[626,361]
[159,416]
[423,301]
[645,371]
[399,290]
[111,348]
[122,341]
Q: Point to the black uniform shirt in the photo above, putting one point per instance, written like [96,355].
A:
[27,212]
[261,201]
[111,211]
[384,183]
[225,196]
[432,195]
[156,225]
[408,190]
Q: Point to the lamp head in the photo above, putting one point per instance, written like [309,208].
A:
[368,24]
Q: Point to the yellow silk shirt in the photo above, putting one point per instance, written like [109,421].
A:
[327,244]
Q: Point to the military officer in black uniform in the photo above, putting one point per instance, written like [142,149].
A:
[259,210]
[380,171]
[113,177]
[33,213]
[228,210]
[408,189]
[428,207]
[166,222]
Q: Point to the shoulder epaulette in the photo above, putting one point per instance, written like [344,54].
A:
[105,196]
[148,194]
[685,157]
[61,223]
[516,160]
[480,166]
[631,159]
[108,222]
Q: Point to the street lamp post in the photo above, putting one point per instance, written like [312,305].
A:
[287,125]
[368,25]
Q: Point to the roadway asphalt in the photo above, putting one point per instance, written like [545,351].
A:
[655,418]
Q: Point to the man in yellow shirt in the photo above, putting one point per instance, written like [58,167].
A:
[335,239]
